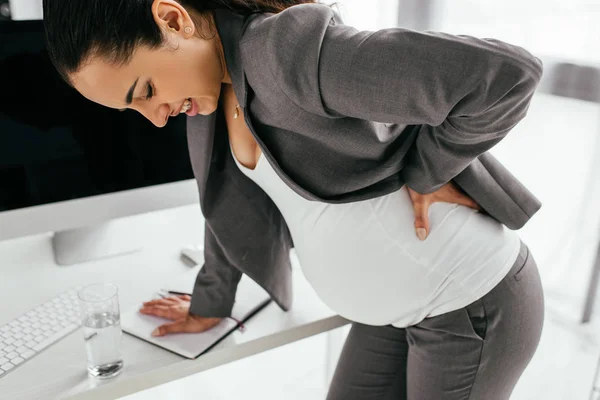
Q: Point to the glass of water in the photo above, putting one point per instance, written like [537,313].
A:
[100,316]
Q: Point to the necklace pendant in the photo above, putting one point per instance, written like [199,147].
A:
[236,113]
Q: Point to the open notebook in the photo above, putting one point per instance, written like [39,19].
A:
[250,298]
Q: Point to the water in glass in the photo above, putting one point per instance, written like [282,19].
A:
[102,335]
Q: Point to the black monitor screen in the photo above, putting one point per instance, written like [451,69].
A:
[56,145]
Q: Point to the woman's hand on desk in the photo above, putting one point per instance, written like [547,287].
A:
[449,193]
[176,308]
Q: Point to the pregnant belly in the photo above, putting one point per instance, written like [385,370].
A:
[357,260]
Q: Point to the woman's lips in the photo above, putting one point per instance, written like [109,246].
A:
[175,113]
[194,109]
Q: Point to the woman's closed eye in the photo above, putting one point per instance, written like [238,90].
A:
[150,92]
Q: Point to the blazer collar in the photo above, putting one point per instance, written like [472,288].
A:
[231,27]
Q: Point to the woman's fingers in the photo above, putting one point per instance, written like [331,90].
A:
[153,302]
[175,327]
[160,311]
[187,324]
[421,219]
[454,194]
[449,193]
[171,300]
[421,206]
[172,307]
[154,309]
[163,301]
[472,204]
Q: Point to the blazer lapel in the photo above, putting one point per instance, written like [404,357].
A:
[200,136]
[231,27]
[201,128]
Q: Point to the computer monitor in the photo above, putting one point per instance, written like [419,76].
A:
[25,9]
[73,167]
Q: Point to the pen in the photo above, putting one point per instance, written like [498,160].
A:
[177,293]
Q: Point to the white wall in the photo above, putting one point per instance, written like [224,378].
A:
[368,15]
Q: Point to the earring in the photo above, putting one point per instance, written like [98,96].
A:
[188,29]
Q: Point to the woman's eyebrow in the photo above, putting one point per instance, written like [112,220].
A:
[129,97]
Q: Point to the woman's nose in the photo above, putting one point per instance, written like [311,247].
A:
[159,116]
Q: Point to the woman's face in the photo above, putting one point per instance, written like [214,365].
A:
[156,83]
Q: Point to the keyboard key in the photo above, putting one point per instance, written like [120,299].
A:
[18,335]
[27,338]
[39,338]
[17,360]
[51,340]
[31,343]
[9,340]
[2,353]
[22,349]
[12,355]
[7,367]
[3,360]
[18,343]
[56,328]
[28,354]
[9,349]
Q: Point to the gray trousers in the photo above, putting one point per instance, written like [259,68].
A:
[474,353]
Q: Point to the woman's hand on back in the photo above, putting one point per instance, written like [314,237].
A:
[449,193]
[176,308]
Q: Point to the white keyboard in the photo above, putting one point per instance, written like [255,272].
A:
[34,331]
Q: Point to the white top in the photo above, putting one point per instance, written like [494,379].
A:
[365,261]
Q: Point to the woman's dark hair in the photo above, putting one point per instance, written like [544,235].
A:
[78,29]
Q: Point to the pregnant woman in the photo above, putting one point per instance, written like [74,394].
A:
[366,151]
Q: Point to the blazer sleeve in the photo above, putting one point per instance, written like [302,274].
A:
[464,93]
[216,283]
[245,233]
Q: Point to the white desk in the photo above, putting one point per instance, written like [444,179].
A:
[29,277]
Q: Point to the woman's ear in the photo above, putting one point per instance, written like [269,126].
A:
[171,17]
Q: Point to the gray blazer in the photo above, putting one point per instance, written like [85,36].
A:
[344,115]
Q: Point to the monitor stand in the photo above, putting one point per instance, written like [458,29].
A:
[108,239]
